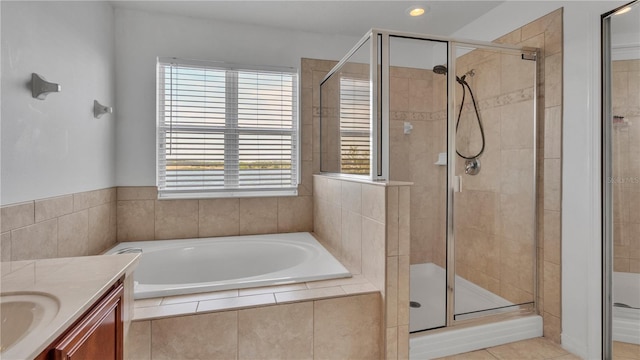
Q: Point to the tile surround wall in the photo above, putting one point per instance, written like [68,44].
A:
[625,87]
[70,225]
[142,217]
[366,226]
[342,327]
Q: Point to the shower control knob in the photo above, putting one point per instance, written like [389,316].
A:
[472,167]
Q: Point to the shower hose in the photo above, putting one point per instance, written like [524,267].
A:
[466,86]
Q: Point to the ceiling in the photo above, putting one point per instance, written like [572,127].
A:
[352,17]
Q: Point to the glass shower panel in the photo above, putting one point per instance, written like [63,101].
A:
[417,153]
[624,182]
[345,117]
[494,213]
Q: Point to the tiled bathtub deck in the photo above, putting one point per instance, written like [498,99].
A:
[180,305]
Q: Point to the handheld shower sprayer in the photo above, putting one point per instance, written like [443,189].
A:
[472,163]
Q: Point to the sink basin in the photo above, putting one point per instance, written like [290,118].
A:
[22,313]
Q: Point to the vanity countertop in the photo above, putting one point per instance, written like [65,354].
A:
[75,284]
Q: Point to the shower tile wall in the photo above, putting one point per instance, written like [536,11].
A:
[494,212]
[626,166]
[419,96]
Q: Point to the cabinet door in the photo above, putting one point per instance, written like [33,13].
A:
[99,333]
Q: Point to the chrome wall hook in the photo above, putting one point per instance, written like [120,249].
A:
[40,87]
[99,109]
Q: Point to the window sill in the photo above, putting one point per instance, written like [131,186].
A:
[225,194]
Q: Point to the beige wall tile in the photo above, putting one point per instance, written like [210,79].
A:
[552,303]
[218,217]
[373,202]
[373,252]
[205,336]
[351,245]
[552,182]
[176,219]
[17,215]
[5,246]
[553,80]
[38,241]
[403,289]
[138,343]
[552,327]
[403,342]
[137,193]
[53,207]
[404,222]
[553,132]
[552,236]
[136,220]
[73,234]
[348,327]
[392,220]
[391,343]
[351,196]
[517,125]
[391,292]
[276,332]
[258,216]
[99,232]
[295,214]
[85,200]
[553,35]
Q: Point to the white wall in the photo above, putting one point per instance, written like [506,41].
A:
[581,224]
[143,36]
[55,146]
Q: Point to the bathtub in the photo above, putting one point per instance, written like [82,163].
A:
[626,309]
[177,267]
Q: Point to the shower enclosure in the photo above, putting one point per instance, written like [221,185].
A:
[457,119]
[621,181]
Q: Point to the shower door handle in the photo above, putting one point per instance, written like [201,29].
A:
[457,183]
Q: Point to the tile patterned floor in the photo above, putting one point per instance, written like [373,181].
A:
[541,349]
[625,351]
[532,349]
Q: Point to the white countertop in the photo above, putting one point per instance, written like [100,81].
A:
[77,283]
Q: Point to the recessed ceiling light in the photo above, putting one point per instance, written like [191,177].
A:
[624,10]
[416,10]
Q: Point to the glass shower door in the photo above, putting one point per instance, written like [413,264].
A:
[493,123]
[417,153]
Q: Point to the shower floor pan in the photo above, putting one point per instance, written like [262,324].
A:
[428,288]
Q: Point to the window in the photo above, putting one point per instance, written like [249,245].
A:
[225,131]
[355,142]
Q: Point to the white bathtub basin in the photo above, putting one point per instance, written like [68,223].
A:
[176,267]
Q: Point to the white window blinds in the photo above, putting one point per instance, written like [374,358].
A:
[355,123]
[224,131]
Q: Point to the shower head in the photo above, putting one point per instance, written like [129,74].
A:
[440,69]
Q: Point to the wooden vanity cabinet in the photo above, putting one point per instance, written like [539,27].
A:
[96,335]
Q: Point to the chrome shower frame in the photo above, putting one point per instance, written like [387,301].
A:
[379,141]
